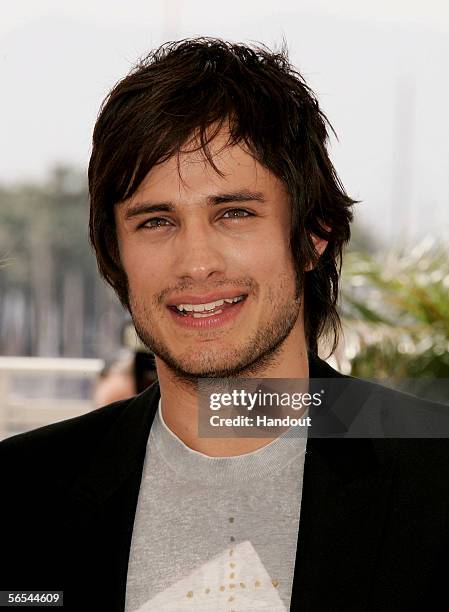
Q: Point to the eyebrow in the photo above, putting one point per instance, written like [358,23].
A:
[142,208]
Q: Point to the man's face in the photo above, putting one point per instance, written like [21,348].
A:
[212,238]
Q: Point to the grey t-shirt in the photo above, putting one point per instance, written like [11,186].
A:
[215,533]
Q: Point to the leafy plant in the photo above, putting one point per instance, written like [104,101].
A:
[395,312]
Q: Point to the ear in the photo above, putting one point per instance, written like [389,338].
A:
[320,244]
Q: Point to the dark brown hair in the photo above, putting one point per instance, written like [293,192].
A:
[192,87]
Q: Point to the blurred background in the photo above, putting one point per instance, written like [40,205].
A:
[379,69]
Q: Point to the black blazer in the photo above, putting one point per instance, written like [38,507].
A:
[373,531]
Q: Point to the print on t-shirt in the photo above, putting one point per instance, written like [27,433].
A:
[236,580]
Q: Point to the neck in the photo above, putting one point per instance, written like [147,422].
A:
[179,402]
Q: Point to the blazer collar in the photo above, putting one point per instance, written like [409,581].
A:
[122,450]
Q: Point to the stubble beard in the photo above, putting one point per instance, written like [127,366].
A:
[247,359]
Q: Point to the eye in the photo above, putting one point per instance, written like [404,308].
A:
[238,210]
[153,223]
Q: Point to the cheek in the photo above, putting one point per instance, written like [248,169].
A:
[143,271]
[271,257]
[267,246]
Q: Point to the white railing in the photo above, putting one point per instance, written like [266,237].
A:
[22,411]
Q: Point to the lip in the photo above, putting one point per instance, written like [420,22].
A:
[213,322]
[189,298]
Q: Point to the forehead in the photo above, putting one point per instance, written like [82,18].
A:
[189,175]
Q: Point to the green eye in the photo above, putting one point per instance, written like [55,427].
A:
[238,210]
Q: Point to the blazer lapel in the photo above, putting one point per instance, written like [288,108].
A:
[345,495]
[101,509]
[344,503]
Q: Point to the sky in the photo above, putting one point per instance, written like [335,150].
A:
[379,70]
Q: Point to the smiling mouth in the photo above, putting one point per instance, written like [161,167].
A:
[189,310]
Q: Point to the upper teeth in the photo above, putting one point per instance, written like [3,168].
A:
[209,306]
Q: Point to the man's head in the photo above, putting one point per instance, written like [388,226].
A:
[231,142]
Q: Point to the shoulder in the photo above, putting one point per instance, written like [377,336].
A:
[401,413]
[379,397]
[412,431]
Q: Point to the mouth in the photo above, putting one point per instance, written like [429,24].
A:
[205,311]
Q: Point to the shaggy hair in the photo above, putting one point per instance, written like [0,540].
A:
[191,89]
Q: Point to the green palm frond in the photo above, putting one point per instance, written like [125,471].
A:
[395,311]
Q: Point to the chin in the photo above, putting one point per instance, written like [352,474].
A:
[213,367]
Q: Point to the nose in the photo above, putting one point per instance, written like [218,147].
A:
[199,254]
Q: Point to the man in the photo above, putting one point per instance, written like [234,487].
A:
[219,220]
